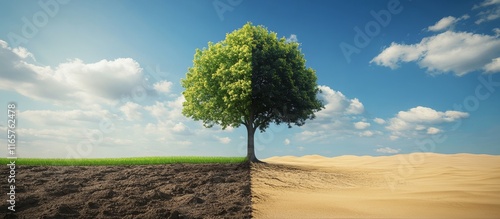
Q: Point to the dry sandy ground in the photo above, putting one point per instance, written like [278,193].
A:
[421,185]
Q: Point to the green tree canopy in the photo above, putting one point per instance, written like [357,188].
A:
[250,78]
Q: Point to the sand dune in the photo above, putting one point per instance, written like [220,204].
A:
[420,185]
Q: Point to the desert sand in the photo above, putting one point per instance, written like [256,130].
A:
[419,185]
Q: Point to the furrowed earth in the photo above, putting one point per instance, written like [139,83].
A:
[143,191]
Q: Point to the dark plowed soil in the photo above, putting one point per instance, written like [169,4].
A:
[156,191]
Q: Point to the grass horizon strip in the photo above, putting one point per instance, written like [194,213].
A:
[122,161]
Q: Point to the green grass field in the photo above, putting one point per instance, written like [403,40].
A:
[121,161]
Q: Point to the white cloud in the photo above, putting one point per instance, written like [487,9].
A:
[470,52]
[336,119]
[442,24]
[393,137]
[176,108]
[65,118]
[337,104]
[397,124]
[131,111]
[451,115]
[355,107]
[496,30]
[169,119]
[379,121]
[388,150]
[433,131]
[229,129]
[361,125]
[179,127]
[366,134]
[491,11]
[23,53]
[4,45]
[488,15]
[105,79]
[486,3]
[167,131]
[396,53]
[419,118]
[419,127]
[67,128]
[446,23]
[286,141]
[163,87]
[223,140]
[71,82]
[493,66]
[169,110]
[54,134]
[420,114]
[301,148]
[185,143]
[292,38]
[159,110]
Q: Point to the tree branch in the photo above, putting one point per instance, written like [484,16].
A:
[262,122]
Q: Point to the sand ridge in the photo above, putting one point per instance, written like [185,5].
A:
[420,185]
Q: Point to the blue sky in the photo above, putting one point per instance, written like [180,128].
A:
[102,78]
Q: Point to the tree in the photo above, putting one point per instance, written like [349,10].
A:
[250,78]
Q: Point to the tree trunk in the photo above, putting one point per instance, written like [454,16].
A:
[251,149]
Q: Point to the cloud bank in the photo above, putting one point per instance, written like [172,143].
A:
[470,52]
